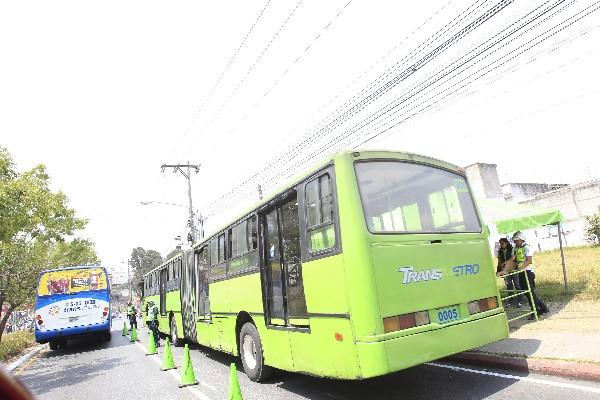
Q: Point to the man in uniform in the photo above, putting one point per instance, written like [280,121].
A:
[153,318]
[131,314]
[523,259]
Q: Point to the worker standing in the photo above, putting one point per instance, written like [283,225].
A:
[131,314]
[153,317]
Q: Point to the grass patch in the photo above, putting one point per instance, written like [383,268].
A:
[14,343]
[583,274]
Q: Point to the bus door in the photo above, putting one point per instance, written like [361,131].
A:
[162,290]
[201,274]
[281,265]
[188,296]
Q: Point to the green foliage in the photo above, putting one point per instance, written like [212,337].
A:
[173,253]
[73,253]
[34,223]
[592,229]
[142,261]
[14,343]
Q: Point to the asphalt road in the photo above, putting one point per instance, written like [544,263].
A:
[121,370]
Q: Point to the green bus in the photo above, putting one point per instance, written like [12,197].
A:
[369,263]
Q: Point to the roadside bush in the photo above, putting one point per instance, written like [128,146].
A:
[592,229]
[14,343]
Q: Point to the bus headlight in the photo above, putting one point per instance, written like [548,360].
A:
[405,321]
[482,305]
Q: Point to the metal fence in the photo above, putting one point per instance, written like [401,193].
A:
[506,295]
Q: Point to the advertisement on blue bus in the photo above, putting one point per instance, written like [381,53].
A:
[72,302]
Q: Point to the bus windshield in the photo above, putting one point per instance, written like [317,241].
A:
[70,281]
[404,197]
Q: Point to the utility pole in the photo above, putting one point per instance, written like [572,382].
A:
[129,279]
[186,173]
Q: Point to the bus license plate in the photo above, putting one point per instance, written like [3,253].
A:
[449,314]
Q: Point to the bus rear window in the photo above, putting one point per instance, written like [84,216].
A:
[403,197]
[75,280]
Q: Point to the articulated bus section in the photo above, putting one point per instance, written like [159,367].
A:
[368,264]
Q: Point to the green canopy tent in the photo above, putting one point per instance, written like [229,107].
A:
[512,217]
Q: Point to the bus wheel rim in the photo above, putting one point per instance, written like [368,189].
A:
[249,352]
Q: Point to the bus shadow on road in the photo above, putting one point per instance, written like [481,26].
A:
[420,382]
[86,344]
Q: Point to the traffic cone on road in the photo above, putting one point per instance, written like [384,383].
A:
[151,345]
[234,385]
[188,378]
[125,331]
[167,361]
[134,337]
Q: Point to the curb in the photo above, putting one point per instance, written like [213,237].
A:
[565,369]
[16,364]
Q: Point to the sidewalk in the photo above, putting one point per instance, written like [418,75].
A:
[566,343]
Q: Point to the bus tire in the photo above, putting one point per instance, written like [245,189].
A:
[251,353]
[107,336]
[53,345]
[175,340]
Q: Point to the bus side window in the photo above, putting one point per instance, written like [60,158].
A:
[319,214]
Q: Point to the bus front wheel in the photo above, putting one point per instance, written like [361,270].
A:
[53,345]
[251,353]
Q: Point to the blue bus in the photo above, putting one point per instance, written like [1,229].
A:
[71,302]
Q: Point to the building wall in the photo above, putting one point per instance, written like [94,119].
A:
[517,192]
[575,202]
[484,180]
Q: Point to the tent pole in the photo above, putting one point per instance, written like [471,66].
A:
[562,256]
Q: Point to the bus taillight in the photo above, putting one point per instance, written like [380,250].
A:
[482,305]
[405,321]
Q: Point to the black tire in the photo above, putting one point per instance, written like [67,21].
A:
[173,336]
[107,336]
[62,344]
[53,345]
[251,353]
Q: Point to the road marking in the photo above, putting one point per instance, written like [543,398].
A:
[29,362]
[195,391]
[519,378]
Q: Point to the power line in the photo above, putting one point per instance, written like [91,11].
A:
[307,138]
[497,60]
[249,71]
[231,59]
[424,60]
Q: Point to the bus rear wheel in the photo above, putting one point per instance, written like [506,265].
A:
[251,353]
[177,342]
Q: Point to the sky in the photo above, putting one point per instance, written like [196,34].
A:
[105,93]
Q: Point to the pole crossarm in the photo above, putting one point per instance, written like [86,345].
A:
[186,173]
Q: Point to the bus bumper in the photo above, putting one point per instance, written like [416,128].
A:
[383,357]
[68,333]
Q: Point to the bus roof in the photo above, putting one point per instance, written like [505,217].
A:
[361,155]
[76,267]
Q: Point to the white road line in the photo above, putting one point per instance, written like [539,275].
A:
[195,391]
[519,378]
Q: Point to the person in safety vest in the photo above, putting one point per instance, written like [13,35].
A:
[505,253]
[153,318]
[523,259]
[131,314]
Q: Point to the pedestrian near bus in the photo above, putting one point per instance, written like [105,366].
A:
[131,314]
[523,259]
[505,253]
[153,325]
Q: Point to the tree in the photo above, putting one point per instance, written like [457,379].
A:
[33,221]
[74,253]
[173,253]
[592,229]
[142,261]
